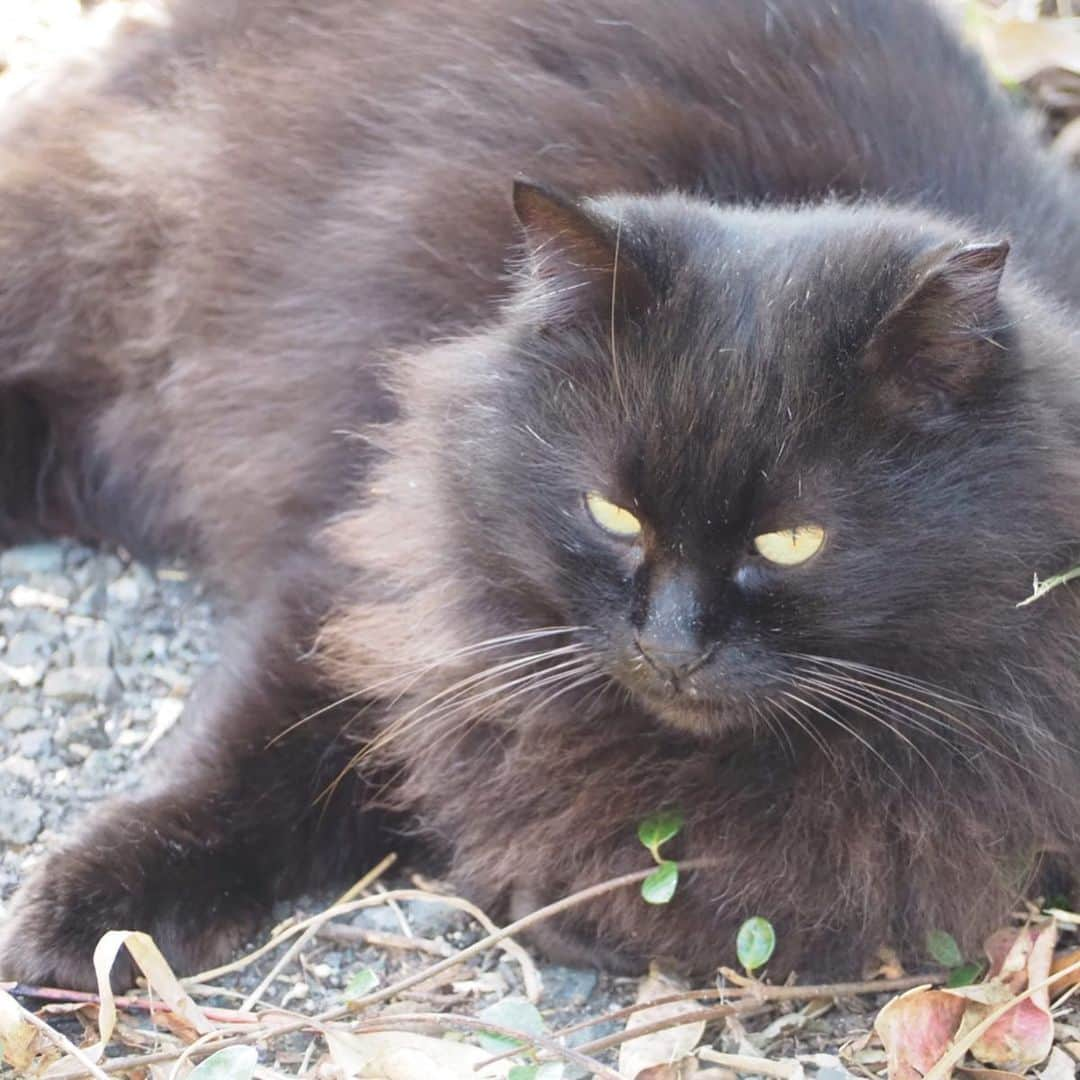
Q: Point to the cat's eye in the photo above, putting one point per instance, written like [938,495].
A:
[790,547]
[611,517]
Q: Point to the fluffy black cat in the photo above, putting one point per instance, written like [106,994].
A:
[711,483]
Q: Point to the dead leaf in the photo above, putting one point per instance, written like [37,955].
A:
[917,1028]
[666,1047]
[186,1019]
[18,1037]
[404,1055]
[1017,49]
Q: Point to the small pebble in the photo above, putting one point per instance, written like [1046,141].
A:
[82,684]
[20,820]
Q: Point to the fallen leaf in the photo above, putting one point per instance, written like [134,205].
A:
[1016,49]
[667,1047]
[17,1035]
[916,1028]
[920,1027]
[231,1063]
[404,1055]
[185,1017]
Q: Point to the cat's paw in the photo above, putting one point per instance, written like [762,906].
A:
[48,939]
[59,915]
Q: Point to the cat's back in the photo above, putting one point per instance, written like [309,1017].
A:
[420,112]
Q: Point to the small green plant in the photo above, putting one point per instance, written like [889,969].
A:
[944,950]
[754,943]
[655,831]
[361,984]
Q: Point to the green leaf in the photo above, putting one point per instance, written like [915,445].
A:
[361,984]
[550,1070]
[755,943]
[658,829]
[232,1063]
[943,948]
[964,975]
[511,1012]
[659,886]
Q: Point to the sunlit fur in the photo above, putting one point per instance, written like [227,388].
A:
[271,300]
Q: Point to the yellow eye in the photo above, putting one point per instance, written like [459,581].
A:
[789,547]
[611,518]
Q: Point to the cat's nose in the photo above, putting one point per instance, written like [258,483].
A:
[669,636]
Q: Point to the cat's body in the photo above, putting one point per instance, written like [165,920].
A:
[254,285]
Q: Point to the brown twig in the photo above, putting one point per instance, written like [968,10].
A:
[266,1030]
[355,935]
[74,997]
[293,951]
[748,999]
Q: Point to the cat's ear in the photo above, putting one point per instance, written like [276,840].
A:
[934,349]
[581,256]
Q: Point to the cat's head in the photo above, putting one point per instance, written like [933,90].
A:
[749,454]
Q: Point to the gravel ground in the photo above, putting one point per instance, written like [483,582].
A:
[96,658]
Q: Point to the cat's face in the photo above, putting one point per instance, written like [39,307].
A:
[792,440]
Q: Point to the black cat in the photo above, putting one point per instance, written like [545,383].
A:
[719,495]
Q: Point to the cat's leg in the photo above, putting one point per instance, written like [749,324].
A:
[237,823]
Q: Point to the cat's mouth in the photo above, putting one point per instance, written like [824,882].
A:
[712,699]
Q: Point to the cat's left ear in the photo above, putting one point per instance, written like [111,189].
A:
[933,350]
[582,256]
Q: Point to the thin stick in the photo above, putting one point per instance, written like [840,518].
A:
[355,935]
[294,949]
[747,999]
[60,1040]
[338,1012]
[593,892]
[69,997]
[782,1070]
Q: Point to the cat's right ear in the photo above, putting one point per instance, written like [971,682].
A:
[580,257]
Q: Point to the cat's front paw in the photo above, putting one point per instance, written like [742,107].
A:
[55,922]
[57,918]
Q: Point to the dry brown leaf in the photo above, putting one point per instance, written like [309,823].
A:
[1018,49]
[18,1036]
[186,1019]
[667,1047]
[918,1028]
[404,1055]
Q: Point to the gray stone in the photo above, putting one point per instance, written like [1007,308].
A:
[82,684]
[93,601]
[20,718]
[32,559]
[20,820]
[33,744]
[431,919]
[26,647]
[570,986]
[125,591]
[93,647]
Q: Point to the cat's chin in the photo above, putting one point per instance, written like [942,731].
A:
[704,718]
